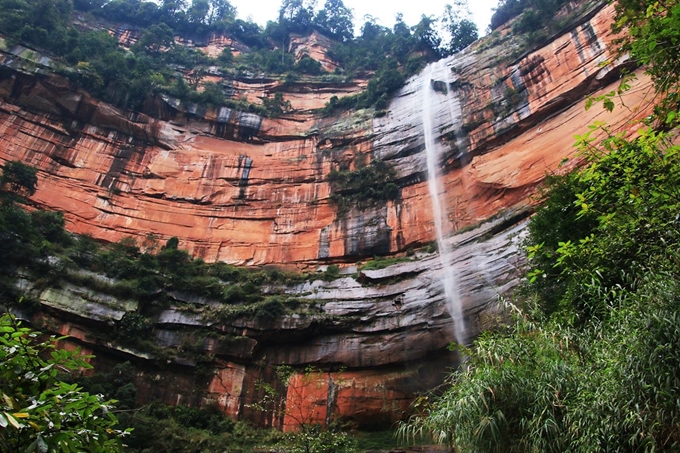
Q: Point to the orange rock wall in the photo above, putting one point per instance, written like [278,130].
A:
[256,193]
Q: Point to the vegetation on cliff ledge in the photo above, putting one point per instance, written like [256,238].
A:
[366,186]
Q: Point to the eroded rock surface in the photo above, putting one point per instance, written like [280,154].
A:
[243,189]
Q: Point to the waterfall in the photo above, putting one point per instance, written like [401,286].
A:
[436,189]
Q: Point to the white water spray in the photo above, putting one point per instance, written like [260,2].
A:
[450,280]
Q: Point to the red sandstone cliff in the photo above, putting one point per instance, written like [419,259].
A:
[248,190]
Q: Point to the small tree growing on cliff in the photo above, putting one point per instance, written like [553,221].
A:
[17,182]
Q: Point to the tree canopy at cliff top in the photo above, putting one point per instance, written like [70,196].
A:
[95,61]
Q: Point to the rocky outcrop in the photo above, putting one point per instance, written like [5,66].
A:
[315,46]
[243,189]
[374,339]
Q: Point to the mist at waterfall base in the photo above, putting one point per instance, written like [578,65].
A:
[440,71]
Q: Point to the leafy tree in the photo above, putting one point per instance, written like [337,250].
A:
[297,15]
[248,32]
[366,186]
[122,10]
[277,105]
[308,65]
[156,37]
[225,57]
[18,181]
[401,42]
[371,31]
[336,20]
[172,10]
[50,225]
[535,14]
[652,35]
[212,94]
[41,412]
[221,10]
[506,10]
[426,37]
[147,14]
[199,11]
[457,21]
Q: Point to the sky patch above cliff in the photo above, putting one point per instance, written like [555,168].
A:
[384,10]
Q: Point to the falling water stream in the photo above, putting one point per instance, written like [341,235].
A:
[436,189]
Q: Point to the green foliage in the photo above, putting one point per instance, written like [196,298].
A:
[545,386]
[458,22]
[366,186]
[336,20]
[41,412]
[131,78]
[592,364]
[276,106]
[212,95]
[381,262]
[38,242]
[612,217]
[652,37]
[331,273]
[50,225]
[307,65]
[535,14]
[394,55]
[557,220]
[225,57]
[132,328]
[155,38]
[161,428]
[17,182]
[387,80]
[315,439]
[300,16]
[272,308]
[25,238]
[508,397]
[117,384]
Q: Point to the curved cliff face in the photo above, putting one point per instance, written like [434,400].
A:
[243,189]
[239,188]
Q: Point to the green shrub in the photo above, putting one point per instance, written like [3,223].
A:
[272,308]
[366,186]
[381,262]
[331,273]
